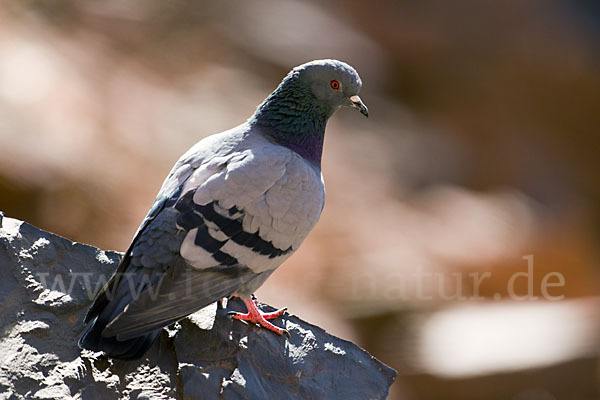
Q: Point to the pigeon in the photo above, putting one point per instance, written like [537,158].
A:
[233,208]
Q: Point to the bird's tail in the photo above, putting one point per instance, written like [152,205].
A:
[129,349]
[92,338]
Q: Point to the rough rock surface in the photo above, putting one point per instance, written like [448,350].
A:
[48,282]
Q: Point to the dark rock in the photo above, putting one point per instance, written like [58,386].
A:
[48,282]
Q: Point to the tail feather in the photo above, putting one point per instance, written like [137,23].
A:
[93,339]
[130,349]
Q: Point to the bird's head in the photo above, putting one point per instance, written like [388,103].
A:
[296,113]
[334,84]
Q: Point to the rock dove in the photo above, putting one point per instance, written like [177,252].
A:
[232,209]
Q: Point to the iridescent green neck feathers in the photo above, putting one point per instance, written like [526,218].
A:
[293,117]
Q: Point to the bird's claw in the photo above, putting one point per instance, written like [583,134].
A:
[255,316]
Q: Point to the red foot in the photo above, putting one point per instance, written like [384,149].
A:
[255,316]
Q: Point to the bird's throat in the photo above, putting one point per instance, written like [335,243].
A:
[296,121]
[303,132]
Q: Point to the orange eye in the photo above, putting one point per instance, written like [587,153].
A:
[335,85]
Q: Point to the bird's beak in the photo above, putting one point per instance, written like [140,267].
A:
[359,105]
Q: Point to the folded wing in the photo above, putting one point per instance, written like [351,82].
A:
[220,227]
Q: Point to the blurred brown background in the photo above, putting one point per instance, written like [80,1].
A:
[482,148]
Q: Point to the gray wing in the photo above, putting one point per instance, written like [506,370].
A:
[224,228]
[160,286]
[164,287]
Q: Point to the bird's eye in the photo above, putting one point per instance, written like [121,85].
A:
[335,85]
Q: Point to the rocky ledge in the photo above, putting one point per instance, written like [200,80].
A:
[46,286]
